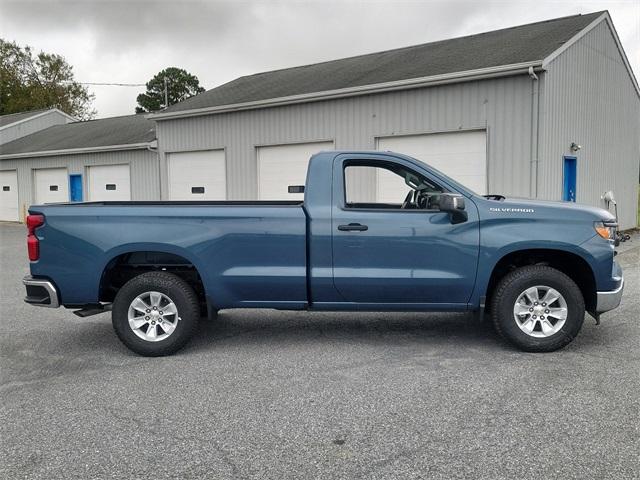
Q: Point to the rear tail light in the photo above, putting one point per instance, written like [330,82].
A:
[33,244]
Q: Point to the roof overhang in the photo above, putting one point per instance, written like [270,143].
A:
[75,151]
[38,115]
[466,76]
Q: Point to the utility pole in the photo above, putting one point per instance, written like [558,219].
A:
[166,92]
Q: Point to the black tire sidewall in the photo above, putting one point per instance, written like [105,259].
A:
[517,282]
[173,287]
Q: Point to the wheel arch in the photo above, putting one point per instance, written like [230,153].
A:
[126,262]
[568,262]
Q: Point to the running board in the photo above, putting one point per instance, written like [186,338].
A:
[93,309]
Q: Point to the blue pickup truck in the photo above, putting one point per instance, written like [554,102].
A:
[427,243]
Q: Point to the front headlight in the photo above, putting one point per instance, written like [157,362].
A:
[606,230]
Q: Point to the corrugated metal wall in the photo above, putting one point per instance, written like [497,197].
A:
[145,172]
[587,97]
[31,126]
[502,106]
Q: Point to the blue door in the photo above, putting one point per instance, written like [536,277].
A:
[389,249]
[75,188]
[569,182]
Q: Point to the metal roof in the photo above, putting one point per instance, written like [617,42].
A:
[105,132]
[510,46]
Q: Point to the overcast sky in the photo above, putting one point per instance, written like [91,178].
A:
[129,42]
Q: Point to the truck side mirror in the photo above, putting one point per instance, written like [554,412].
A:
[453,204]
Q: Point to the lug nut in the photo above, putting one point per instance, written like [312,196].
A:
[160,312]
[148,310]
[544,304]
[535,303]
[146,318]
[155,308]
[534,316]
[546,311]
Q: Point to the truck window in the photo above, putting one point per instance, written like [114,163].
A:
[388,186]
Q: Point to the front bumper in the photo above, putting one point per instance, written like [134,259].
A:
[41,292]
[609,300]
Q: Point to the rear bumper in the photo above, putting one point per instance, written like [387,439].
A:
[609,300]
[41,292]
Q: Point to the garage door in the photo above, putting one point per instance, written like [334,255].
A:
[282,165]
[108,183]
[9,196]
[51,185]
[461,155]
[197,175]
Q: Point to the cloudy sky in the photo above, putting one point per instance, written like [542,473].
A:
[128,42]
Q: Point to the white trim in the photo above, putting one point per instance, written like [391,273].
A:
[72,151]
[468,75]
[605,16]
[41,114]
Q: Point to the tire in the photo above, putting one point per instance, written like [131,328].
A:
[170,331]
[522,321]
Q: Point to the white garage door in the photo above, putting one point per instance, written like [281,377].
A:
[51,185]
[197,175]
[9,195]
[109,183]
[280,166]
[461,155]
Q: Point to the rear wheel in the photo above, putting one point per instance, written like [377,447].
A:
[155,313]
[538,308]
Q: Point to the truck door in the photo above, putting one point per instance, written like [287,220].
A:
[391,244]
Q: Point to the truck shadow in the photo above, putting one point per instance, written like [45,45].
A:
[267,327]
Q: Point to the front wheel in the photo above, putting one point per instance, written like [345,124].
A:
[155,314]
[538,308]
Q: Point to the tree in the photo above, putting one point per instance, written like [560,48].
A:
[31,81]
[180,86]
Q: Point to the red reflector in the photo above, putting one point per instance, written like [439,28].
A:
[33,246]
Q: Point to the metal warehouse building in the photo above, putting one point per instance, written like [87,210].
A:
[503,112]
[549,110]
[17,125]
[108,159]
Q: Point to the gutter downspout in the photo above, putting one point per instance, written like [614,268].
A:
[154,149]
[535,125]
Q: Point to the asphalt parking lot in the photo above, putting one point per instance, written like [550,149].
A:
[264,394]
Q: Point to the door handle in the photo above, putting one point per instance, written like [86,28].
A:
[353,227]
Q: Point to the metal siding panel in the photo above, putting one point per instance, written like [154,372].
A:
[31,126]
[502,106]
[589,99]
[145,183]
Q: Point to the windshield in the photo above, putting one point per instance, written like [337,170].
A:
[455,184]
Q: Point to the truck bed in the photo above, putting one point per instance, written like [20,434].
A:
[248,203]
[248,252]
